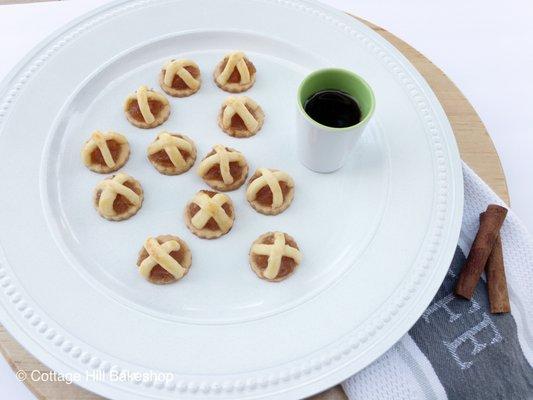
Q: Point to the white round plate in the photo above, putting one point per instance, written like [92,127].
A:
[377,236]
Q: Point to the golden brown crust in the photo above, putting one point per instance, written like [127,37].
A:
[104,169]
[268,238]
[218,184]
[274,211]
[206,233]
[221,186]
[120,152]
[171,169]
[258,114]
[233,87]
[177,92]
[131,210]
[269,209]
[159,275]
[159,117]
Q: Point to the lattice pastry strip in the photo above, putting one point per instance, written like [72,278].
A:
[99,142]
[209,214]
[177,67]
[158,254]
[237,105]
[164,259]
[171,145]
[235,60]
[109,189]
[275,253]
[142,96]
[223,158]
[272,179]
[235,73]
[211,207]
[247,110]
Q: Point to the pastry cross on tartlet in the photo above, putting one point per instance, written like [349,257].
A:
[223,168]
[146,108]
[235,73]
[240,116]
[270,191]
[105,152]
[274,256]
[209,214]
[180,78]
[118,197]
[164,259]
[172,154]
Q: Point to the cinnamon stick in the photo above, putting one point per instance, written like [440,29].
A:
[489,229]
[496,282]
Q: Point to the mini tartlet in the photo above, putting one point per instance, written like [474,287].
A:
[235,73]
[223,168]
[172,153]
[164,259]
[146,108]
[274,256]
[180,78]
[105,152]
[240,117]
[209,214]
[270,191]
[118,197]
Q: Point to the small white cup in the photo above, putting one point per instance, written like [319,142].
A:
[323,148]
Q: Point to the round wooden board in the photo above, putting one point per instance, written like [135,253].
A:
[476,150]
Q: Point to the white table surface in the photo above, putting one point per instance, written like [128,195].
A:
[484,46]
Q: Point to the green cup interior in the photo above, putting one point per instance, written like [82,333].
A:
[338,79]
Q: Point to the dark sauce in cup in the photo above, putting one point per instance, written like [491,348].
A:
[333,108]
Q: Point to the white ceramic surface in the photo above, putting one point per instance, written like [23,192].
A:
[70,291]
[323,148]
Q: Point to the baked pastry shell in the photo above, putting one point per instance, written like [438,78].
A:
[221,186]
[121,160]
[269,210]
[258,271]
[160,118]
[178,92]
[174,170]
[186,262]
[232,87]
[207,233]
[131,211]
[258,114]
